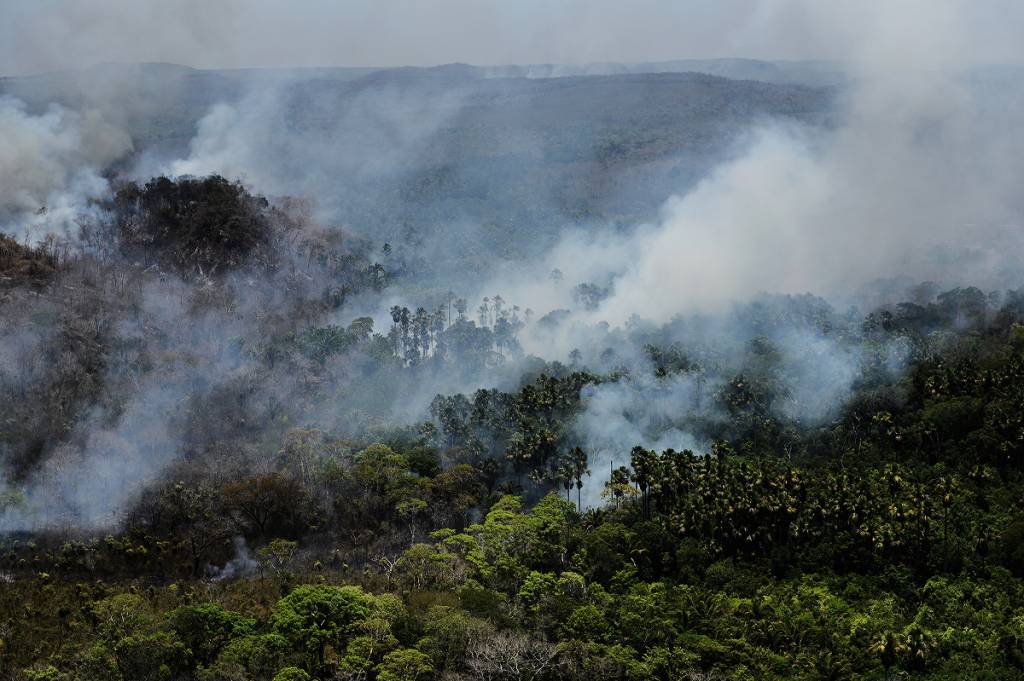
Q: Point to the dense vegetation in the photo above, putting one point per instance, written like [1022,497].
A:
[226,455]
[294,529]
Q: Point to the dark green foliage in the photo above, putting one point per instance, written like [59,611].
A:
[311,617]
[405,665]
[193,224]
[205,629]
[249,657]
[152,657]
[887,540]
[530,428]
[292,674]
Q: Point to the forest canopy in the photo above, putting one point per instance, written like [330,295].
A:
[882,535]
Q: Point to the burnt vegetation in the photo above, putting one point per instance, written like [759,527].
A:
[22,264]
[194,224]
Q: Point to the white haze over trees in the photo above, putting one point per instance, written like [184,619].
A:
[919,177]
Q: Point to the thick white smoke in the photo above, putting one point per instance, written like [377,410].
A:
[621,415]
[919,177]
[51,166]
[297,140]
[878,198]
[90,486]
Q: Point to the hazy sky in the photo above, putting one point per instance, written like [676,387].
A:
[41,35]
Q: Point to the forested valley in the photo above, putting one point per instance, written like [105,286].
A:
[294,536]
[534,368]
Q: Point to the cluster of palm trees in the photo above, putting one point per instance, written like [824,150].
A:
[738,507]
[419,334]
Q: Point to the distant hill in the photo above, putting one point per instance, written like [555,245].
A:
[789,72]
[516,153]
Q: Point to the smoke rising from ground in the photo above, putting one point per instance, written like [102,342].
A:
[919,178]
[90,486]
[293,140]
[51,166]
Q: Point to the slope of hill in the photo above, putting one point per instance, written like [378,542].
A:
[402,155]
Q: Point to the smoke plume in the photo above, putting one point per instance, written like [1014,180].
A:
[51,166]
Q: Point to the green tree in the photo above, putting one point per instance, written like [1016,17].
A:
[253,657]
[159,656]
[121,615]
[405,665]
[311,617]
[206,628]
[42,673]
[292,674]
[447,633]
[889,647]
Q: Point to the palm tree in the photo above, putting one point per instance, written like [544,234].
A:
[565,477]
[578,466]
[888,646]
[644,463]
[618,484]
